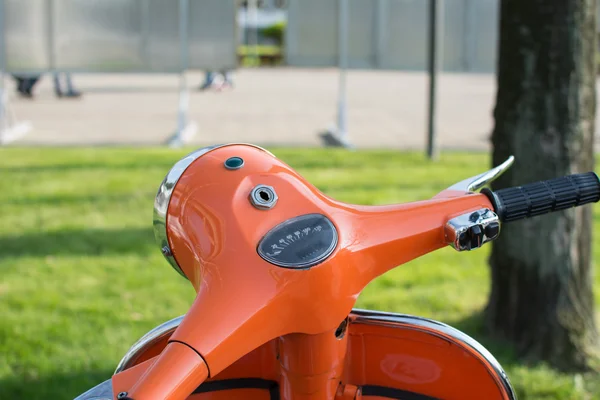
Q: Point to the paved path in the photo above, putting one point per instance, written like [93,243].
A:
[284,106]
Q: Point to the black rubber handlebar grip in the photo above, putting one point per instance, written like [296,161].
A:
[545,196]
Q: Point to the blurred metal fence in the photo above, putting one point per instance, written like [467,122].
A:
[117,36]
[392,34]
[432,35]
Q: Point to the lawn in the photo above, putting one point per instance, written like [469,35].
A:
[82,278]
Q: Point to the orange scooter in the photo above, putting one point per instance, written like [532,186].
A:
[278,266]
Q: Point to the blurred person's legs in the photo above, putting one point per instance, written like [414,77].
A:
[209,78]
[71,92]
[20,83]
[25,85]
[228,76]
[30,83]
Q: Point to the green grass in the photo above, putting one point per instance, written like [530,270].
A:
[81,277]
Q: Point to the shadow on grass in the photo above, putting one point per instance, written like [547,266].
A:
[101,164]
[507,356]
[55,386]
[69,385]
[79,242]
[503,352]
[473,326]
[72,199]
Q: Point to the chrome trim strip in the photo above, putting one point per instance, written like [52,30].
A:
[163,197]
[103,391]
[148,339]
[478,181]
[362,316]
[370,317]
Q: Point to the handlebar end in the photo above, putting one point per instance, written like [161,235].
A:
[542,197]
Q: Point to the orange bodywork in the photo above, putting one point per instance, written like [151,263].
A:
[243,302]
[378,354]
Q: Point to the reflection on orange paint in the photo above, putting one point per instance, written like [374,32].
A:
[245,304]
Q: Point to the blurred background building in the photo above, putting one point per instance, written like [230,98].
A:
[138,64]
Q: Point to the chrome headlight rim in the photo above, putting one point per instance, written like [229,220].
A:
[165,191]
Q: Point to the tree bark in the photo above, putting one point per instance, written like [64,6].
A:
[541,295]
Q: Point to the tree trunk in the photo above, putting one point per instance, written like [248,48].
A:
[541,296]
